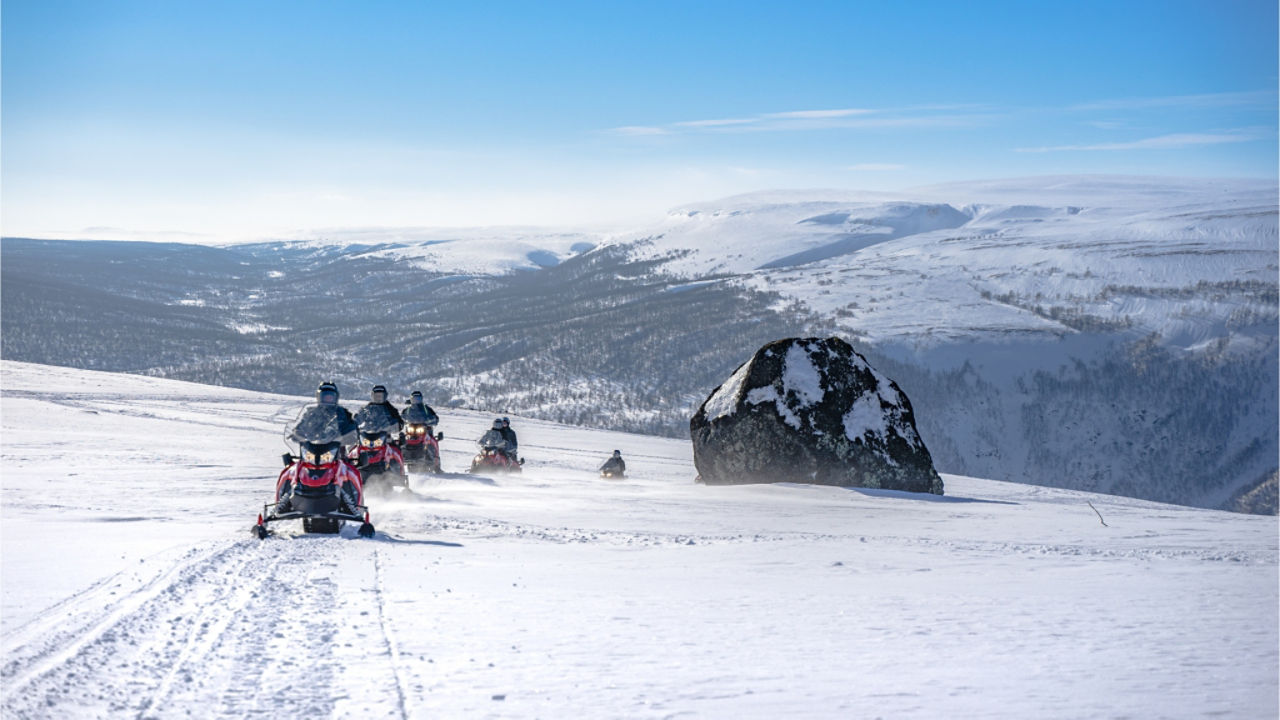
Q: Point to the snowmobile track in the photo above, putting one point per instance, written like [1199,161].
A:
[232,628]
[393,650]
[58,635]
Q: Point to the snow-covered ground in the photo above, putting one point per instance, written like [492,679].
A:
[131,586]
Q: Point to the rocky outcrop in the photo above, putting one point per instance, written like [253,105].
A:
[811,411]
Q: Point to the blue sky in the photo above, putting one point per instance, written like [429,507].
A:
[245,119]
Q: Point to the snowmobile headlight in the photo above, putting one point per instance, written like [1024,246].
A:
[378,441]
[320,454]
[319,458]
[416,430]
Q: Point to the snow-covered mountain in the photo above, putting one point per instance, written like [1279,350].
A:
[131,586]
[1098,333]
[1193,261]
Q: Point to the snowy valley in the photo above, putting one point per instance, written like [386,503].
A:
[1099,333]
[131,586]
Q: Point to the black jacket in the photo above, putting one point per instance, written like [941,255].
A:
[510,436]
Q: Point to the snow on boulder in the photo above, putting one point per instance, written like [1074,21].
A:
[811,411]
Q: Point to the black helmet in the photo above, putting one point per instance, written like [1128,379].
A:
[506,421]
[416,396]
[378,394]
[327,393]
[617,453]
[497,424]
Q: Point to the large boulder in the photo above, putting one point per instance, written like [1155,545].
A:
[811,411]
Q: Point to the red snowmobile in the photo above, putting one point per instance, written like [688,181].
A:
[379,461]
[318,485]
[493,455]
[421,449]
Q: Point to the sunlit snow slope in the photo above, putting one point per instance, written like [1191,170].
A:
[131,586]
[1193,260]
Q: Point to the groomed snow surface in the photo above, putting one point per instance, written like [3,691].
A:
[131,586]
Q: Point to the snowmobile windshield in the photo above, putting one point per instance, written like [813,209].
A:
[418,414]
[493,439]
[376,419]
[319,424]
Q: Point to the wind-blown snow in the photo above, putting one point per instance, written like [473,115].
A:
[132,588]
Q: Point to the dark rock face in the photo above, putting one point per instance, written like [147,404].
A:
[811,411]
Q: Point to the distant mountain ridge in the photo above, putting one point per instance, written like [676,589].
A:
[1108,334]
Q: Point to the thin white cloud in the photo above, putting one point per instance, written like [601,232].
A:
[1162,142]
[717,123]
[876,167]
[797,120]
[639,131]
[1253,97]
[817,114]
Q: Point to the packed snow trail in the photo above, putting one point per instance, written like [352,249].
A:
[292,627]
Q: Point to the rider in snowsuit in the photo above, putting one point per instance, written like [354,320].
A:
[510,436]
[419,412]
[327,404]
[494,438]
[378,397]
[614,465]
